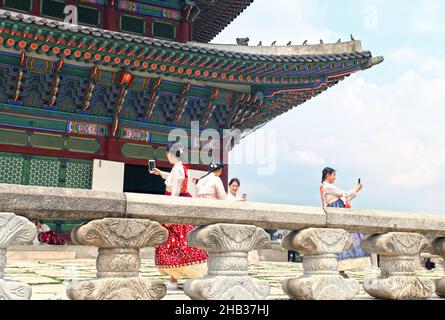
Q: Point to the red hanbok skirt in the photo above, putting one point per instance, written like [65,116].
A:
[176,253]
[50,237]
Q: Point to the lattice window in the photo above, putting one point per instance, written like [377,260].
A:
[13,137]
[160,154]
[88,16]
[79,174]
[11,168]
[82,145]
[18,5]
[53,9]
[47,141]
[164,30]
[138,151]
[44,172]
[132,24]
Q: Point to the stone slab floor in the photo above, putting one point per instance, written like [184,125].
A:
[49,279]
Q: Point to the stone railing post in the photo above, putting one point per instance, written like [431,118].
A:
[228,246]
[321,280]
[118,262]
[14,230]
[398,280]
[439,249]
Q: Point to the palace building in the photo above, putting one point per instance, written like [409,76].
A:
[86,105]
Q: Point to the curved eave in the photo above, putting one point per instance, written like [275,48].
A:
[201,63]
[214,16]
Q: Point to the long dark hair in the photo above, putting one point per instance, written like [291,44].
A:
[212,168]
[325,173]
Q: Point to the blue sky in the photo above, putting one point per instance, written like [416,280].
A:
[384,125]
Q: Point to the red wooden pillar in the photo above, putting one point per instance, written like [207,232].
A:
[111,18]
[35,7]
[113,149]
[184,32]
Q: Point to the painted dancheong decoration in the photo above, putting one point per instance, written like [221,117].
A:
[113,86]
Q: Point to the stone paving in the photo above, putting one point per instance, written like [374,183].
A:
[49,279]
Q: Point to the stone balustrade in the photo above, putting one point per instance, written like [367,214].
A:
[13,230]
[123,223]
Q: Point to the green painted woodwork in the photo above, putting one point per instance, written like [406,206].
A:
[13,137]
[79,174]
[138,151]
[47,141]
[176,4]
[132,24]
[88,16]
[160,154]
[11,168]
[32,122]
[52,9]
[18,5]
[163,30]
[84,145]
[45,171]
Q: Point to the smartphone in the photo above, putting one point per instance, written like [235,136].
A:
[359,181]
[244,196]
[151,165]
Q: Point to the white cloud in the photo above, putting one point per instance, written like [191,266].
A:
[427,25]
[307,157]
[295,23]
[403,55]
[389,131]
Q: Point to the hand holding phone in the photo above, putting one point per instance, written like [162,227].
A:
[244,196]
[359,185]
[151,165]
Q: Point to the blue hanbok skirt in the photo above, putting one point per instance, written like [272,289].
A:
[357,251]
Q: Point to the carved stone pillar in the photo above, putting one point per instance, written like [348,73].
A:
[228,246]
[439,249]
[398,280]
[321,280]
[14,230]
[118,262]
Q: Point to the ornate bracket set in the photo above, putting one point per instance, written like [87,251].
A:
[119,241]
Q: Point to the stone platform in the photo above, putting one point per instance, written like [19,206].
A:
[50,278]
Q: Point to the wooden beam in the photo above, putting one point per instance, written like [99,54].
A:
[182,102]
[124,81]
[91,86]
[18,86]
[154,88]
[56,86]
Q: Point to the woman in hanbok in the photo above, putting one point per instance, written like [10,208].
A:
[46,236]
[210,186]
[175,258]
[232,195]
[333,197]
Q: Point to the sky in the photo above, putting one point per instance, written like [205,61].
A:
[384,125]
